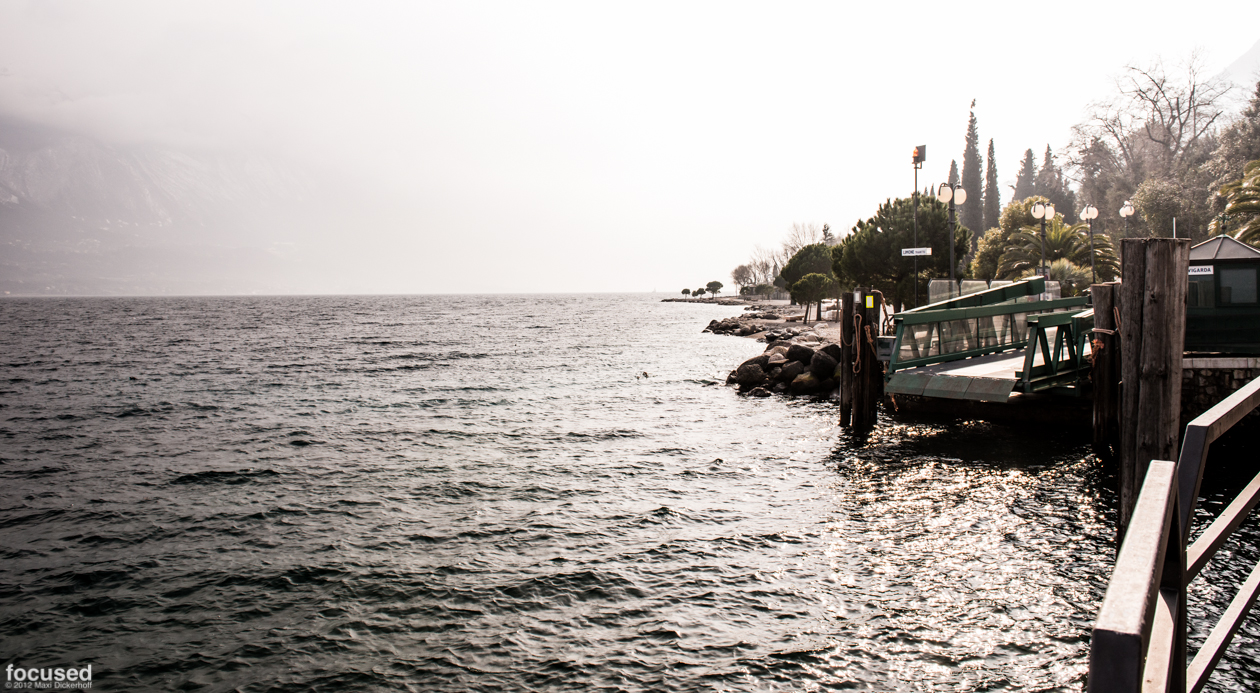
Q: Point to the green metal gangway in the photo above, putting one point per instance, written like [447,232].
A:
[990,344]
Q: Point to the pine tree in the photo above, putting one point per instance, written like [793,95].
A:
[992,194]
[971,214]
[1025,182]
[953,172]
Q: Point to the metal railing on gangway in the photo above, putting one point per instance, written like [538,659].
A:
[1012,317]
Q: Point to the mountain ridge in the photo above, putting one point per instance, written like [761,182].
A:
[76,215]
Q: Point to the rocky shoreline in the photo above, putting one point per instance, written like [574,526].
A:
[789,368]
[797,361]
[716,301]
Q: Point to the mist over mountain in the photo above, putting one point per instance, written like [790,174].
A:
[78,215]
[157,147]
[1245,71]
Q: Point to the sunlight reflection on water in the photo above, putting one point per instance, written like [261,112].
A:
[357,493]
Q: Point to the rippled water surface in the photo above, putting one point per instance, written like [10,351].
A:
[512,493]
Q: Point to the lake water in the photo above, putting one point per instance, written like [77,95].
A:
[484,493]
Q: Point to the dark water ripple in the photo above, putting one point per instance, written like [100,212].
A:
[486,493]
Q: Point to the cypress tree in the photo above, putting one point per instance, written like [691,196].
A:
[1025,181]
[992,194]
[971,214]
[1044,183]
[953,172]
[1051,183]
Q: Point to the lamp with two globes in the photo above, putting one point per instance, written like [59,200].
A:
[1089,214]
[1043,211]
[954,194]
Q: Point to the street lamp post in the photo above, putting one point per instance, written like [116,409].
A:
[920,155]
[954,194]
[1126,211]
[1089,214]
[1043,211]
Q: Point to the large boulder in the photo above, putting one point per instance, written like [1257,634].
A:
[800,352]
[832,350]
[724,326]
[759,392]
[759,360]
[749,375]
[777,341]
[805,384]
[790,370]
[776,359]
[822,365]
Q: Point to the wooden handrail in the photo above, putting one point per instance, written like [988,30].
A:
[1121,638]
[1206,658]
[1139,639]
[1200,434]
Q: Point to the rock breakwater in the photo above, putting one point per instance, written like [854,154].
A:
[717,301]
[790,367]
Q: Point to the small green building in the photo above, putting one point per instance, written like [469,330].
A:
[1222,309]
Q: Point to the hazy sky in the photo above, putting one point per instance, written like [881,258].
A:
[591,146]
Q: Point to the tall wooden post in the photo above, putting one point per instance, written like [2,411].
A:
[868,378]
[1152,338]
[1105,372]
[847,346]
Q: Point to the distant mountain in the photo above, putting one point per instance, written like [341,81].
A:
[1245,71]
[76,175]
[81,216]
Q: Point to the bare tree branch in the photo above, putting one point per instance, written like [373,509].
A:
[799,236]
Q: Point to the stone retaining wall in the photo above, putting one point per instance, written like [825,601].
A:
[1208,380]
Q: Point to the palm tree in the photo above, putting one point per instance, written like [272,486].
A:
[1072,279]
[1243,200]
[1063,242]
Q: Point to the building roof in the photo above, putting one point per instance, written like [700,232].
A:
[1223,248]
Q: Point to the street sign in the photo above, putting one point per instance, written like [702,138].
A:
[915,252]
[1201,269]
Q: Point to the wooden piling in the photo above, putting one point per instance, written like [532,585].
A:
[1105,371]
[868,378]
[846,358]
[1152,337]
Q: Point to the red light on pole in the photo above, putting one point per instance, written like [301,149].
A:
[920,154]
